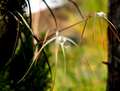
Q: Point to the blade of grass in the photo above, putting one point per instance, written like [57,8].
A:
[30,14]
[64,57]
[71,41]
[114,30]
[27,25]
[93,28]
[77,7]
[51,13]
[83,31]
[56,61]
[23,19]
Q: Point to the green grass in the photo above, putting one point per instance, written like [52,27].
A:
[84,68]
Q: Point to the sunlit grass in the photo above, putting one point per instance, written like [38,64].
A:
[84,68]
[84,71]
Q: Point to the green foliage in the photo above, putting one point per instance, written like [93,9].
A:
[21,57]
[4,81]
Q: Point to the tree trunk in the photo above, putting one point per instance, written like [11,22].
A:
[113,83]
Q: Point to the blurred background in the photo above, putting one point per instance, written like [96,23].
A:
[82,69]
